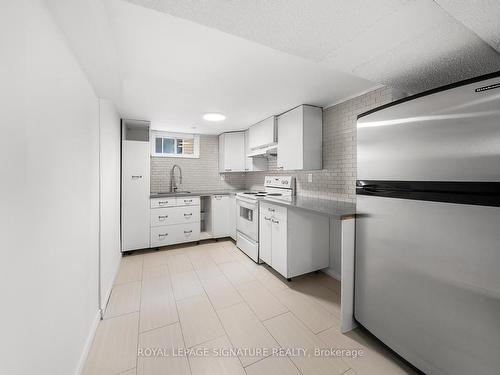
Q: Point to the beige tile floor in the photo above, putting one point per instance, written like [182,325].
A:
[212,297]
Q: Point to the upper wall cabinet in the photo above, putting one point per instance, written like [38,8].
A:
[253,164]
[300,133]
[262,134]
[232,152]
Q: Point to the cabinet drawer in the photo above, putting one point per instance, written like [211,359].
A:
[188,201]
[163,202]
[187,232]
[163,236]
[277,212]
[175,215]
[172,234]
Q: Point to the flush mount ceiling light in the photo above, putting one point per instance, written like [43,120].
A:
[214,117]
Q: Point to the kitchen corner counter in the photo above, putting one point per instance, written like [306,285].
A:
[202,193]
[334,208]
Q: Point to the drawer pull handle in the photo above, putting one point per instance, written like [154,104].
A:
[162,202]
[162,217]
[163,235]
[275,221]
[267,218]
[188,231]
[136,176]
[270,209]
[188,215]
[188,200]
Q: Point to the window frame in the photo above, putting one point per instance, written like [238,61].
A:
[163,134]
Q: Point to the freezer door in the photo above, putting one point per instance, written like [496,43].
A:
[453,135]
[427,282]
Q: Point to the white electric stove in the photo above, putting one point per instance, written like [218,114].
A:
[247,224]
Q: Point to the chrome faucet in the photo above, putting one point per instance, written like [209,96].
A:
[173,184]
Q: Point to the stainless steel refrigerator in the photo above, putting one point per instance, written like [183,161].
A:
[427,269]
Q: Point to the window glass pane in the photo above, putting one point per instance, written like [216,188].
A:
[188,146]
[158,146]
[179,146]
[168,145]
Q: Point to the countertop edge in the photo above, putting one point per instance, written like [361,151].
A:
[336,215]
[195,194]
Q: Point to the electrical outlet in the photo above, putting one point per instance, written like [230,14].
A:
[222,176]
[309,177]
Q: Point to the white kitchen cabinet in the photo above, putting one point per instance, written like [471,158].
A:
[265,238]
[232,152]
[256,163]
[233,214]
[221,219]
[135,195]
[279,249]
[300,133]
[262,134]
[174,220]
[293,241]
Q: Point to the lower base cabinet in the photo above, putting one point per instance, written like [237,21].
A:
[293,241]
[177,222]
[172,234]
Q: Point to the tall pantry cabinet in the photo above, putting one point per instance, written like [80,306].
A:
[135,191]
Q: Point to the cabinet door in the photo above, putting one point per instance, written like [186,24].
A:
[221,222]
[253,164]
[265,238]
[234,152]
[279,246]
[290,139]
[232,216]
[135,195]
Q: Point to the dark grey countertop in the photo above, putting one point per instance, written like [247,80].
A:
[334,208]
[201,193]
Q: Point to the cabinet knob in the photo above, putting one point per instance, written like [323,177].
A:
[162,217]
[187,215]
[136,177]
[188,231]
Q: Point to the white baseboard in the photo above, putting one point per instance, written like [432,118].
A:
[331,272]
[88,344]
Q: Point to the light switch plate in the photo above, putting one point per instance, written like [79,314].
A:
[309,177]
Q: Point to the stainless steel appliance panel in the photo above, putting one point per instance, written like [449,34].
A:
[427,282]
[453,135]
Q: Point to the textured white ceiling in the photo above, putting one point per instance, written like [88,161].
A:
[412,45]
[173,71]
[480,16]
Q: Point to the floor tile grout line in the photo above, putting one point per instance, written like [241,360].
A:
[281,346]
[127,370]
[139,319]
[220,322]
[159,327]
[179,317]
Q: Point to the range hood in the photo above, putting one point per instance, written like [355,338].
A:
[270,150]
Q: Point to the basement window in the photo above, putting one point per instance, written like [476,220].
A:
[175,145]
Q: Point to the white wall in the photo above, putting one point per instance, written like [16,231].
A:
[110,195]
[49,190]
